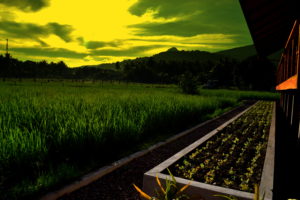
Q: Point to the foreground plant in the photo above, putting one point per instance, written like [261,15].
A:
[170,192]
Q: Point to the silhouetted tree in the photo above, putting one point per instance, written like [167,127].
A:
[117,65]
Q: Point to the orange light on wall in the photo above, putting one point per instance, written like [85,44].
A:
[288,68]
[289,84]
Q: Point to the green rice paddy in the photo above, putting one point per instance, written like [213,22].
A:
[53,132]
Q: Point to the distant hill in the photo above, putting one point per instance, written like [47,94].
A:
[192,56]
[239,53]
[173,54]
[231,68]
[111,66]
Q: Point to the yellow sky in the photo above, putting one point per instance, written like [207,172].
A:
[94,19]
[100,21]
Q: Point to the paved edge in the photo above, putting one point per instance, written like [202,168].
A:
[266,186]
[93,176]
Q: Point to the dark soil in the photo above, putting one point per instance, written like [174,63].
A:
[118,184]
[233,158]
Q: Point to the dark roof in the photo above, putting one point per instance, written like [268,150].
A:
[270,22]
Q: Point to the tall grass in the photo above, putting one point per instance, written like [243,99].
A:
[241,95]
[58,128]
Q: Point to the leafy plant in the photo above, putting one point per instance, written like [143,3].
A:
[170,192]
[241,144]
[188,84]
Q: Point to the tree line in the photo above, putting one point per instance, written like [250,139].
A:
[14,68]
[253,73]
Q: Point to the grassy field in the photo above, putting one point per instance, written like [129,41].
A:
[53,132]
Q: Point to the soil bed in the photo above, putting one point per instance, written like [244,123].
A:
[233,158]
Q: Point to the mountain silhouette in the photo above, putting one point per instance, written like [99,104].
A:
[175,55]
[173,49]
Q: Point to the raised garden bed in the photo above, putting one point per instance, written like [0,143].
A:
[228,160]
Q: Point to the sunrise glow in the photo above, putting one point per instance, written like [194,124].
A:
[94,32]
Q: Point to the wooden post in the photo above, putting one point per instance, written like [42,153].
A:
[292,110]
[298,81]
[299,130]
[288,62]
[283,102]
[288,107]
[298,58]
[284,67]
[292,66]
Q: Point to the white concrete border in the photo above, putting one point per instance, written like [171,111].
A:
[93,176]
[267,178]
[206,190]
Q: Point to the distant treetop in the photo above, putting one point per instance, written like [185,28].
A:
[173,49]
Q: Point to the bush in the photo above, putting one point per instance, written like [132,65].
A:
[188,84]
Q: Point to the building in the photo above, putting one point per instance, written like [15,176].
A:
[275,25]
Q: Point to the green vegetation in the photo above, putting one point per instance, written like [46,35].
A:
[188,84]
[225,72]
[223,69]
[170,192]
[241,95]
[234,157]
[52,132]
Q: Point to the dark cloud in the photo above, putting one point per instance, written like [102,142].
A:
[185,28]
[42,43]
[167,8]
[26,5]
[101,58]
[34,31]
[130,52]
[80,40]
[62,31]
[6,15]
[175,8]
[49,52]
[65,53]
[192,18]
[100,44]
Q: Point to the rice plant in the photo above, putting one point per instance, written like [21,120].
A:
[50,127]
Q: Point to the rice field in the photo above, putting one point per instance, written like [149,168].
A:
[52,132]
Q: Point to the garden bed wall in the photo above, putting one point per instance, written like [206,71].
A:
[198,190]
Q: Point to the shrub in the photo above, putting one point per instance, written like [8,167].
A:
[188,84]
